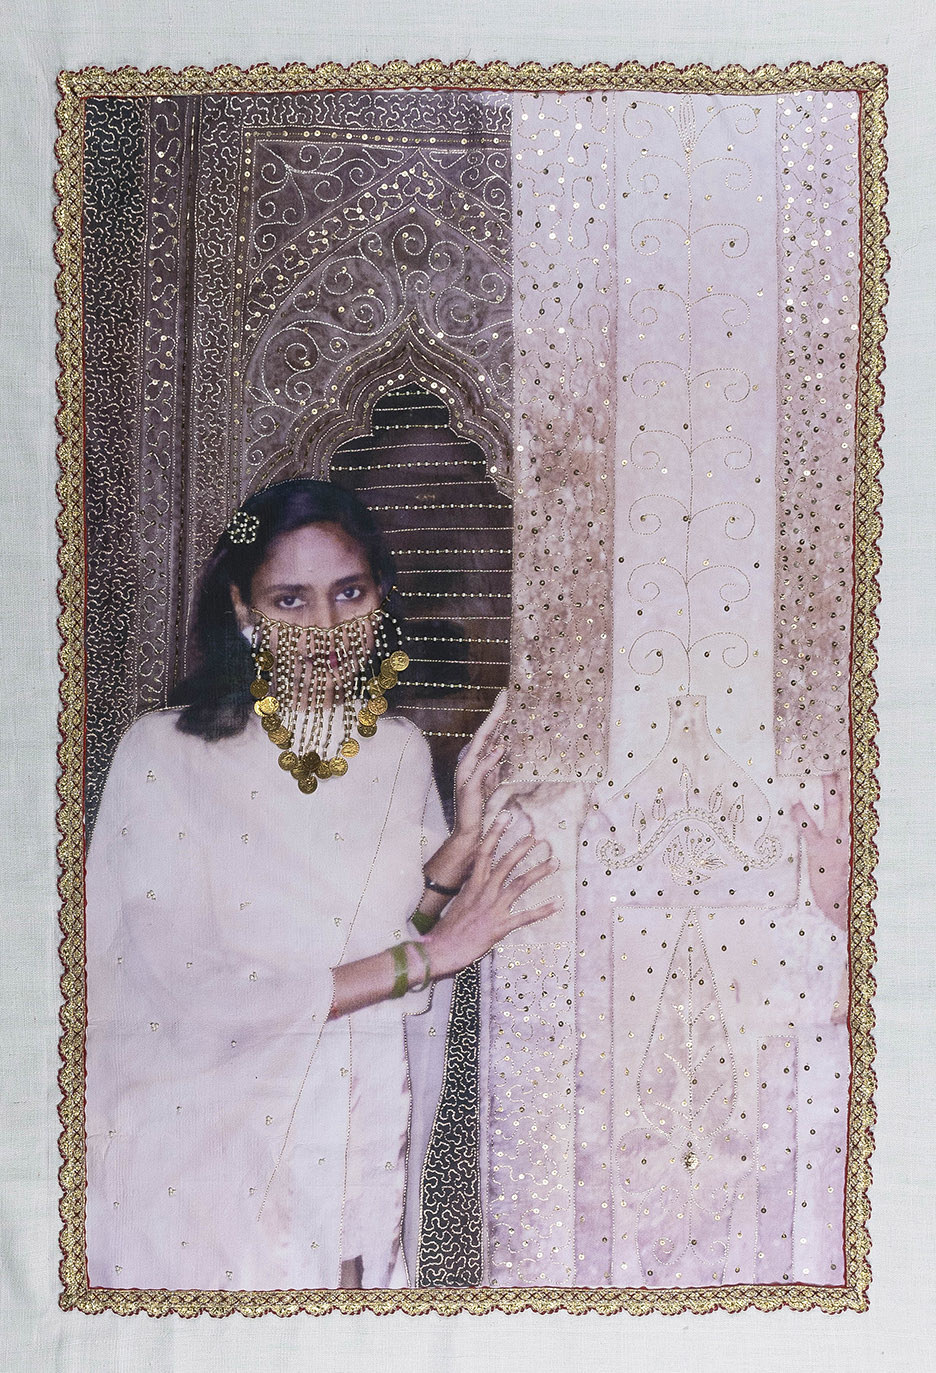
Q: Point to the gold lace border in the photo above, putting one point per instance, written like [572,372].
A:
[869,79]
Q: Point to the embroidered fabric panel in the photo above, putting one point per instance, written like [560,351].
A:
[603,362]
[710,973]
[817,191]
[451,1232]
[564,325]
[113,238]
[372,237]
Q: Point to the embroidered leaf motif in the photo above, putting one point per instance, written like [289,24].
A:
[686,1078]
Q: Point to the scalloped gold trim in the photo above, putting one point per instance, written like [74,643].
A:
[870,80]
[467,75]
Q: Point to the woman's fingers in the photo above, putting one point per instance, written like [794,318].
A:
[528,879]
[491,758]
[484,766]
[517,919]
[489,843]
[483,732]
[482,738]
[505,865]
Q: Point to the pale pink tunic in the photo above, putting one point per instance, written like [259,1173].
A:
[236,1137]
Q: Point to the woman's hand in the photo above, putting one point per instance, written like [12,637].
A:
[476,776]
[482,913]
[476,919]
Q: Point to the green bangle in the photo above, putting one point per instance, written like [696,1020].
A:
[427,979]
[423,922]
[401,970]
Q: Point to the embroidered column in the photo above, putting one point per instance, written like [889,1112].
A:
[563,257]
[684,850]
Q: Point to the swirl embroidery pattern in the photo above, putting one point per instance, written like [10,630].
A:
[368,234]
[698,380]
[112,254]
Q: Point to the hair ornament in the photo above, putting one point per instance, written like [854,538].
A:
[243,527]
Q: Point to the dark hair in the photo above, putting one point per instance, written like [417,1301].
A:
[216,695]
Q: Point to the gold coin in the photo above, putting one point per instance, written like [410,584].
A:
[339,766]
[387,678]
[313,758]
[287,761]
[374,687]
[264,660]
[268,705]
[378,705]
[307,784]
[323,769]
[269,721]
[350,748]
[399,660]
[367,716]
[259,689]
[279,734]
[366,731]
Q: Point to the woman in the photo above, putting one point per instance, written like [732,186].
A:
[257,862]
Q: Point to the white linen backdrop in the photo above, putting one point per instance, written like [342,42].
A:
[42,36]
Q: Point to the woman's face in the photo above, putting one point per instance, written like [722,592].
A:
[315,575]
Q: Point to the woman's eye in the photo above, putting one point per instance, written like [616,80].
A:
[350,593]
[288,602]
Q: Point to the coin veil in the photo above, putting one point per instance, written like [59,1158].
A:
[315,686]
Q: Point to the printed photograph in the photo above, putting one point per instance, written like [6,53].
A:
[469,518]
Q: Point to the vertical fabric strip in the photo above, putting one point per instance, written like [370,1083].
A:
[113,240]
[563,269]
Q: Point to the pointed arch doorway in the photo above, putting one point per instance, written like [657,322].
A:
[436,496]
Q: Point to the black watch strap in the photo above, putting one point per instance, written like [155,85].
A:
[440,890]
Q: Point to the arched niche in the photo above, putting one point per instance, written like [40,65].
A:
[450,528]
[410,355]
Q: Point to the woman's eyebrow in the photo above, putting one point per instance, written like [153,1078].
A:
[348,581]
